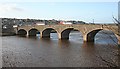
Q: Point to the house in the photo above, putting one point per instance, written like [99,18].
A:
[40,23]
[65,22]
[14,26]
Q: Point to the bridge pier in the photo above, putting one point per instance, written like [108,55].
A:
[84,38]
[27,35]
[88,39]
[65,36]
[45,35]
[59,36]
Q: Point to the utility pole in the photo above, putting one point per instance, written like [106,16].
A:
[93,21]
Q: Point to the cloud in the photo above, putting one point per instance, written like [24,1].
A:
[4,8]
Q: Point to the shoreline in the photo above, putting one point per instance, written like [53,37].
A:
[7,34]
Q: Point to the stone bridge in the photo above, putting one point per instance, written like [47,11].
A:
[88,31]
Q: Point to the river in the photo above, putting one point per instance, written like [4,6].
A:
[36,52]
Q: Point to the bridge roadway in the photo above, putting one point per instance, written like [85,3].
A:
[88,30]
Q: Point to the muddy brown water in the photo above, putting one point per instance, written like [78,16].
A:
[37,52]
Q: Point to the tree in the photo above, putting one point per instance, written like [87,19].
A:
[116,53]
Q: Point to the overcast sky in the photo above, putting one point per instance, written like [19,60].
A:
[101,12]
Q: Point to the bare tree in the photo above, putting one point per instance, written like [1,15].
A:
[118,24]
[116,53]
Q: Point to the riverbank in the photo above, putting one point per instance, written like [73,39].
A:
[7,34]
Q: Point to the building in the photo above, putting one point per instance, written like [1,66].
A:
[40,23]
[14,26]
[65,22]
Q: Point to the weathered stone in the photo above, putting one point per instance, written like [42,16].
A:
[88,31]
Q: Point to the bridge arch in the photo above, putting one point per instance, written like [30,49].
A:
[65,34]
[46,32]
[33,32]
[90,37]
[22,32]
